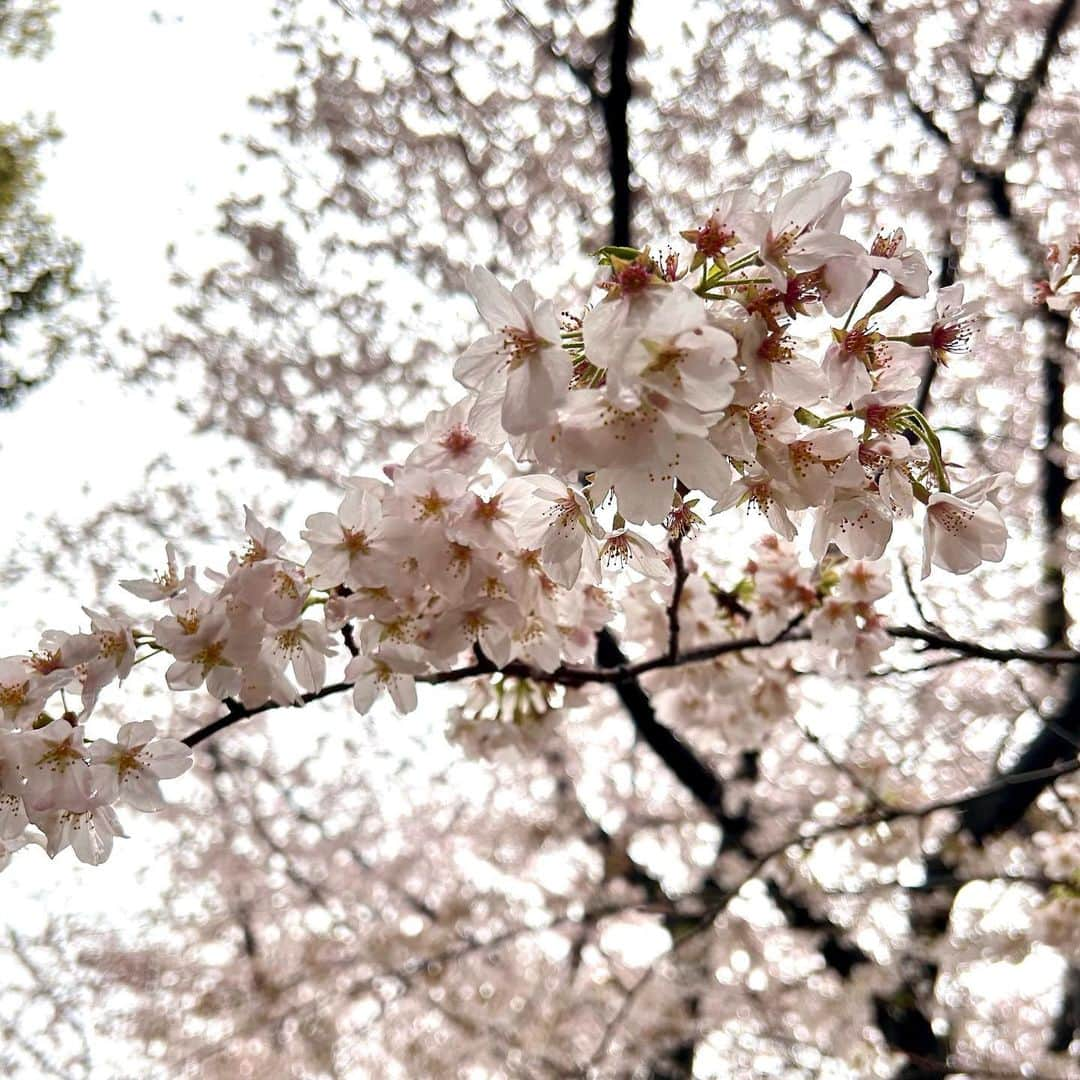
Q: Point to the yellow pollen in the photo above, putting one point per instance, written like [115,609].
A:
[113,645]
[60,757]
[431,505]
[13,695]
[356,541]
[285,585]
[211,656]
[253,553]
[518,344]
[46,662]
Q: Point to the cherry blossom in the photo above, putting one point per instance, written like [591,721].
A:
[129,769]
[522,355]
[963,530]
[953,330]
[570,485]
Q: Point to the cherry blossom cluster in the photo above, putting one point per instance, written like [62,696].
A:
[771,363]
[1057,918]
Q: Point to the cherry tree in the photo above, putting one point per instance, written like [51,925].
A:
[726,814]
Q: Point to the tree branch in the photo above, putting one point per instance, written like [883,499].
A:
[615,107]
[1028,90]
[679,563]
[616,671]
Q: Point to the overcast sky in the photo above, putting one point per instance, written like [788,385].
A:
[143,94]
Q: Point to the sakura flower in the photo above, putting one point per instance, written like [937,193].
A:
[53,761]
[342,545]
[263,542]
[114,657]
[130,768]
[772,419]
[523,356]
[581,615]
[646,492]
[676,351]
[22,692]
[864,581]
[833,625]
[592,433]
[770,497]
[890,458]
[116,645]
[261,681]
[89,832]
[964,529]
[58,653]
[164,584]
[734,436]
[774,365]
[487,624]
[781,592]
[626,548]
[484,520]
[1061,289]
[560,520]
[871,640]
[816,463]
[537,641]
[285,595]
[731,223]
[843,265]
[858,522]
[453,440]
[305,646]
[392,670]
[189,608]
[421,496]
[813,206]
[953,329]
[849,360]
[12,809]
[215,653]
[890,254]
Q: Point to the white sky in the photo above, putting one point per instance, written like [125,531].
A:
[143,102]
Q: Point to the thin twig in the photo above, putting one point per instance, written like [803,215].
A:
[574,676]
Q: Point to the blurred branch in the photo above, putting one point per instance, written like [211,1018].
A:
[897,79]
[1027,91]
[584,75]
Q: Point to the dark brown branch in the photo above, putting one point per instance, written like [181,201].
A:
[690,770]
[615,107]
[679,564]
[620,672]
